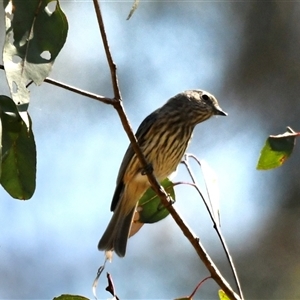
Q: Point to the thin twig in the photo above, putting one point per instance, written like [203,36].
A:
[75,90]
[195,185]
[117,94]
[197,287]
[216,227]
[112,65]
[80,91]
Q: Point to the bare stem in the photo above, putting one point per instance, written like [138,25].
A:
[215,225]
[112,65]
[75,90]
[80,91]
[197,287]
[117,94]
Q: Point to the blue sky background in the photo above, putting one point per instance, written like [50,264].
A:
[48,245]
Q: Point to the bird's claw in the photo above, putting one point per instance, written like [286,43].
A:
[170,200]
[147,170]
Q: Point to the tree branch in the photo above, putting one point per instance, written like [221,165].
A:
[80,91]
[112,65]
[76,90]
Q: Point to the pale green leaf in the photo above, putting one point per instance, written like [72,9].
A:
[277,150]
[35,33]
[150,207]
[222,295]
[70,297]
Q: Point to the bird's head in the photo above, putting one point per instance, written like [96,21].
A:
[196,106]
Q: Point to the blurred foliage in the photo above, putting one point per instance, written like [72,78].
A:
[262,82]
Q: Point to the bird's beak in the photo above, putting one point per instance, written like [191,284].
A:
[220,112]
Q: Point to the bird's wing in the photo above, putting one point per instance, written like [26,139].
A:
[129,154]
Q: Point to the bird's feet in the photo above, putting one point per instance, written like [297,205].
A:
[147,170]
[170,200]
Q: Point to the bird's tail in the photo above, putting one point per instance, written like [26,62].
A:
[116,234]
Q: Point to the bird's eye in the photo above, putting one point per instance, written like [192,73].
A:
[205,97]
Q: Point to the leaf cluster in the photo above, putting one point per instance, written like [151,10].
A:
[36,31]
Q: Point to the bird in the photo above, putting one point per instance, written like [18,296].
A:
[163,137]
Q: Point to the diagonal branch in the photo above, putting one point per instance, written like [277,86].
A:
[74,90]
[112,65]
[117,94]
[80,91]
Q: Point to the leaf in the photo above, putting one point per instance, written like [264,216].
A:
[133,8]
[277,150]
[18,152]
[36,31]
[1,146]
[212,189]
[150,208]
[222,295]
[70,297]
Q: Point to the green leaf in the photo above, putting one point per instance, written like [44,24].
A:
[151,208]
[222,295]
[70,297]
[277,150]
[35,33]
[1,146]
[18,152]
[11,123]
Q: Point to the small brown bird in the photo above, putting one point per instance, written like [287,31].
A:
[163,137]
